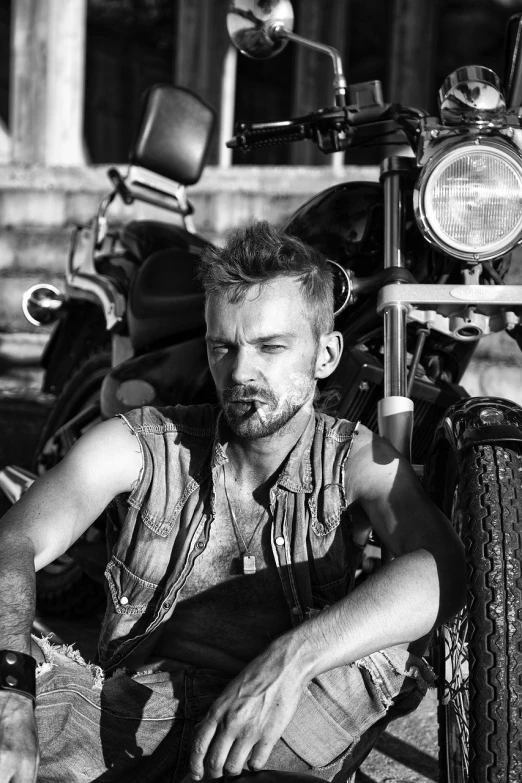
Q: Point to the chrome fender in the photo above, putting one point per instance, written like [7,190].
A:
[470,422]
[479,420]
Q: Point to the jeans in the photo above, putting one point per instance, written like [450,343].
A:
[139,728]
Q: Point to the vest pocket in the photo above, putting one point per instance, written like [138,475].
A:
[130,594]
[326,594]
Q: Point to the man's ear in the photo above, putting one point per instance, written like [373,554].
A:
[329,354]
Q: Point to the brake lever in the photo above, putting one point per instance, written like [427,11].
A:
[261,134]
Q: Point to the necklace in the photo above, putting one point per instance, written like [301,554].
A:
[249,561]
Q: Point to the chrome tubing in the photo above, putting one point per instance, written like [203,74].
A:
[393,255]
[395,383]
[395,410]
[340,84]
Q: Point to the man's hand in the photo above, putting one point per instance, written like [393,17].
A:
[19,755]
[248,718]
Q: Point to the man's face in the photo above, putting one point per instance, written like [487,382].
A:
[262,355]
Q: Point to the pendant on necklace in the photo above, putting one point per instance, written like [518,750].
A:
[249,564]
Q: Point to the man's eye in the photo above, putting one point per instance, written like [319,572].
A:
[219,349]
[273,348]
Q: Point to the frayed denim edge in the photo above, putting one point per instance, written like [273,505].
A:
[50,650]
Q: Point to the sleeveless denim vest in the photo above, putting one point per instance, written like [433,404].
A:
[157,531]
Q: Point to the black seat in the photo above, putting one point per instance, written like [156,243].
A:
[165,300]
[145,237]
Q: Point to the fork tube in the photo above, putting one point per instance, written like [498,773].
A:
[395,352]
[395,411]
[393,255]
[395,316]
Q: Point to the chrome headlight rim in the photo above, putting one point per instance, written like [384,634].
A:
[447,155]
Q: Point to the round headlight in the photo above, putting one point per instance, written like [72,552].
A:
[468,200]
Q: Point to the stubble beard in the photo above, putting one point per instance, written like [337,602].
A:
[245,421]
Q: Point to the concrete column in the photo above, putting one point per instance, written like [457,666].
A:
[47,81]
[201,48]
[5,144]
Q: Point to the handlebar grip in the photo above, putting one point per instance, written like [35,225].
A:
[249,137]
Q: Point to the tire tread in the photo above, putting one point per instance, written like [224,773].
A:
[488,516]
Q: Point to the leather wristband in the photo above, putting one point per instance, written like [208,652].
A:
[18,673]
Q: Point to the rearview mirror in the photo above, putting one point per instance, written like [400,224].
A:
[255,26]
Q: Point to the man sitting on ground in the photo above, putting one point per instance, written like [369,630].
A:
[233,636]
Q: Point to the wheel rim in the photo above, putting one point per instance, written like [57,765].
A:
[455,697]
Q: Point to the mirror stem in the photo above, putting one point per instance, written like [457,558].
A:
[340,85]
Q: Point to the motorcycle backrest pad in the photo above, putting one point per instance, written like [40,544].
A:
[174,133]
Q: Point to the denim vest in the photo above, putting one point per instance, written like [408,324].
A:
[157,531]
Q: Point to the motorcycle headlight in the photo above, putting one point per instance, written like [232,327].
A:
[468,200]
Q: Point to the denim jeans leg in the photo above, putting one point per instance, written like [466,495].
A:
[339,718]
[90,728]
[140,728]
[342,713]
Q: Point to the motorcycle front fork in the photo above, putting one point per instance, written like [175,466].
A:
[395,411]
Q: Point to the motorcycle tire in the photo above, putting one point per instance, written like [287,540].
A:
[63,588]
[479,654]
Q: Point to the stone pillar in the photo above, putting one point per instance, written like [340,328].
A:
[47,81]
[5,145]
[201,48]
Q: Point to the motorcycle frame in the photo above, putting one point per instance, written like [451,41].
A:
[81,277]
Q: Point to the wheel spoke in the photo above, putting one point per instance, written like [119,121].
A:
[456,694]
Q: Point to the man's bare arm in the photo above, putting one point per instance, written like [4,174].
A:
[423,586]
[54,512]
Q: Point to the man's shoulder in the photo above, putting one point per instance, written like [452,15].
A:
[375,466]
[196,420]
[336,428]
[370,448]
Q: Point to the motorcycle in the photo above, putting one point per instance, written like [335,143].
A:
[419,261]
[117,305]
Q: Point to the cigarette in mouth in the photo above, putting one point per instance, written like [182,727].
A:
[260,411]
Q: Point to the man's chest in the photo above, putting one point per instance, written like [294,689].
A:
[223,611]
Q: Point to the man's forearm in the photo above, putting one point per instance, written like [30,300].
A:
[17,593]
[399,604]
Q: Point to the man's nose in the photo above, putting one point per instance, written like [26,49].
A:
[243,368]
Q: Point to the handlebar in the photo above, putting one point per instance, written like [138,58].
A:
[250,135]
[332,130]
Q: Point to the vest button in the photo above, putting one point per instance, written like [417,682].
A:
[167,605]
[124,600]
[280,540]
[200,545]
[11,658]
[295,610]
